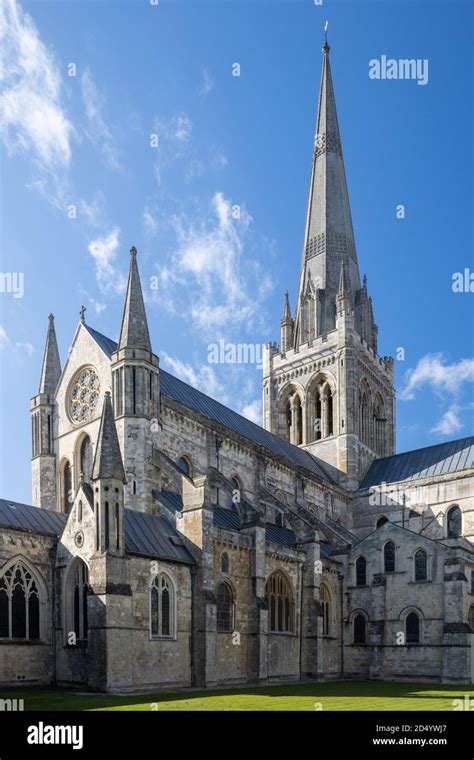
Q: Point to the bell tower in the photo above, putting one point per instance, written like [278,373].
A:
[325,388]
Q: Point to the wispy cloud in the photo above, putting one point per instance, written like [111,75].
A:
[448,382]
[450,423]
[253,411]
[32,116]
[150,222]
[4,339]
[209,260]
[98,131]
[432,370]
[26,348]
[207,84]
[104,252]
[204,378]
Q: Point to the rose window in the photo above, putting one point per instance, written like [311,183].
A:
[84,395]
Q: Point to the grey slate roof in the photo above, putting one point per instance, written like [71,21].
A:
[154,536]
[146,535]
[209,407]
[26,517]
[276,535]
[440,459]
[226,518]
[169,499]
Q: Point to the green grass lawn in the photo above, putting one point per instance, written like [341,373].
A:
[338,695]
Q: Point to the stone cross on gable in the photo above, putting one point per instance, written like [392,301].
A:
[82,314]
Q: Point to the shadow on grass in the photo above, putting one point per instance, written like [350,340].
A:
[358,694]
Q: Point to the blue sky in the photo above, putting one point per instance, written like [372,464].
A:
[81,182]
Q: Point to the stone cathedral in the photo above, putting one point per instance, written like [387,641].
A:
[173,543]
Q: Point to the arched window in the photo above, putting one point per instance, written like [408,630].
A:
[412,628]
[280,604]
[364,413]
[80,591]
[389,557]
[288,420]
[381,521]
[326,610]
[361,571]
[162,607]
[185,466]
[454,522]
[19,604]
[471,617]
[85,459]
[421,565]
[225,608]
[379,426]
[298,420]
[224,562]
[359,629]
[66,488]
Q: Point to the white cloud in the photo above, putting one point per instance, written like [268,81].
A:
[443,378]
[205,379]
[93,211]
[99,132]
[208,83]
[253,411]
[4,339]
[31,114]
[183,127]
[27,347]
[209,261]
[450,423]
[149,222]
[104,252]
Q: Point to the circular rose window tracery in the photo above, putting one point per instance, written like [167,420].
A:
[84,395]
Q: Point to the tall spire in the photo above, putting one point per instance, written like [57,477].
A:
[134,332]
[108,462]
[328,237]
[51,369]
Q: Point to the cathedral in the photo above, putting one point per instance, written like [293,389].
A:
[173,543]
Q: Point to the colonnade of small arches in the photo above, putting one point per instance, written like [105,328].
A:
[305,416]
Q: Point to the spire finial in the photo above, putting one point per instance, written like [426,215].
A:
[82,314]
[326,47]
[133,251]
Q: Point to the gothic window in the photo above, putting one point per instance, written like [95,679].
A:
[298,420]
[381,521]
[84,395]
[359,629]
[454,522]
[361,571]
[421,565]
[225,608]
[85,459]
[379,426]
[287,420]
[66,488]
[162,607]
[224,562]
[79,593]
[19,604]
[364,414]
[470,618]
[185,465]
[320,409]
[326,610]
[389,557]
[412,628]
[280,604]
[329,413]
[280,520]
